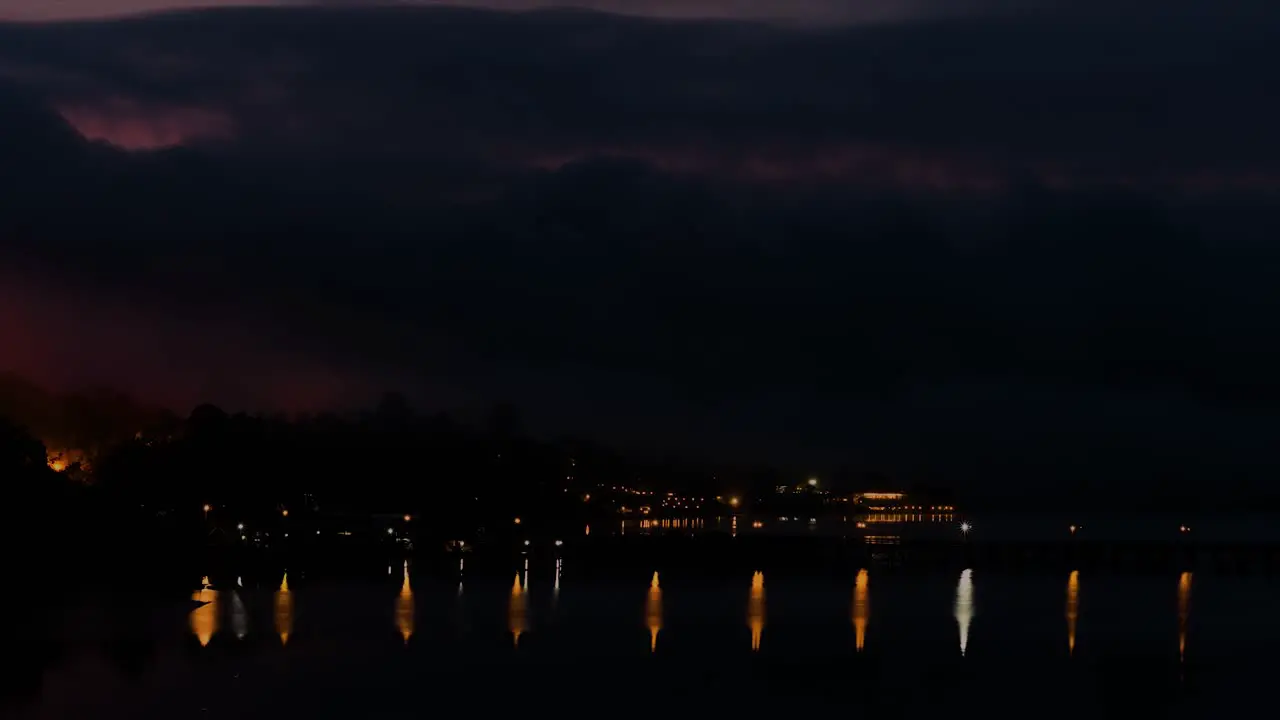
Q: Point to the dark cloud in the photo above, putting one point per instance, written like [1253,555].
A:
[1069,96]
[1021,238]
[801,11]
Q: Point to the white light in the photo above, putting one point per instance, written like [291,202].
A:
[526,542]
[964,607]
[965,527]
[239,526]
[559,543]
[390,531]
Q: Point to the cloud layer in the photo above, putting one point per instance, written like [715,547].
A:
[922,244]
[793,11]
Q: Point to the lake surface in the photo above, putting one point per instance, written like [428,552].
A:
[536,634]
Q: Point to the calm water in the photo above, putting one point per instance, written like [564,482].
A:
[547,637]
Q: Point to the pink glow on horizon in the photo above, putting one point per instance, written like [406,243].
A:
[132,126]
[854,163]
[65,339]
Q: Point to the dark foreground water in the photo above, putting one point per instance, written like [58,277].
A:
[431,638]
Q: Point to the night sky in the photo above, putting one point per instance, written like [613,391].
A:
[1014,239]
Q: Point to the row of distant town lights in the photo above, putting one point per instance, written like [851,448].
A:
[285,513]
[965,527]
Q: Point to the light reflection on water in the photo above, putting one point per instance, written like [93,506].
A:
[755,609]
[1184,612]
[284,610]
[231,606]
[555,589]
[204,619]
[404,607]
[695,618]
[964,608]
[861,608]
[1073,609]
[653,612]
[239,616]
[517,610]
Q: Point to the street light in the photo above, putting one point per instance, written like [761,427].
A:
[733,502]
[965,528]
[240,527]
[284,513]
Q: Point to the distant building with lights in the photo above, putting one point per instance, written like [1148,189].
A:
[898,507]
[880,500]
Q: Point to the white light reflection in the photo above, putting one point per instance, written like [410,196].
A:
[964,608]
[239,616]
[555,589]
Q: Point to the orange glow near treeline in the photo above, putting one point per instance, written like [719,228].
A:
[60,460]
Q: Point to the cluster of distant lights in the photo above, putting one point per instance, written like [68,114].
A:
[631,491]
[965,527]
[682,503]
[670,523]
[916,508]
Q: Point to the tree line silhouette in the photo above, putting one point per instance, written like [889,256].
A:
[150,467]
